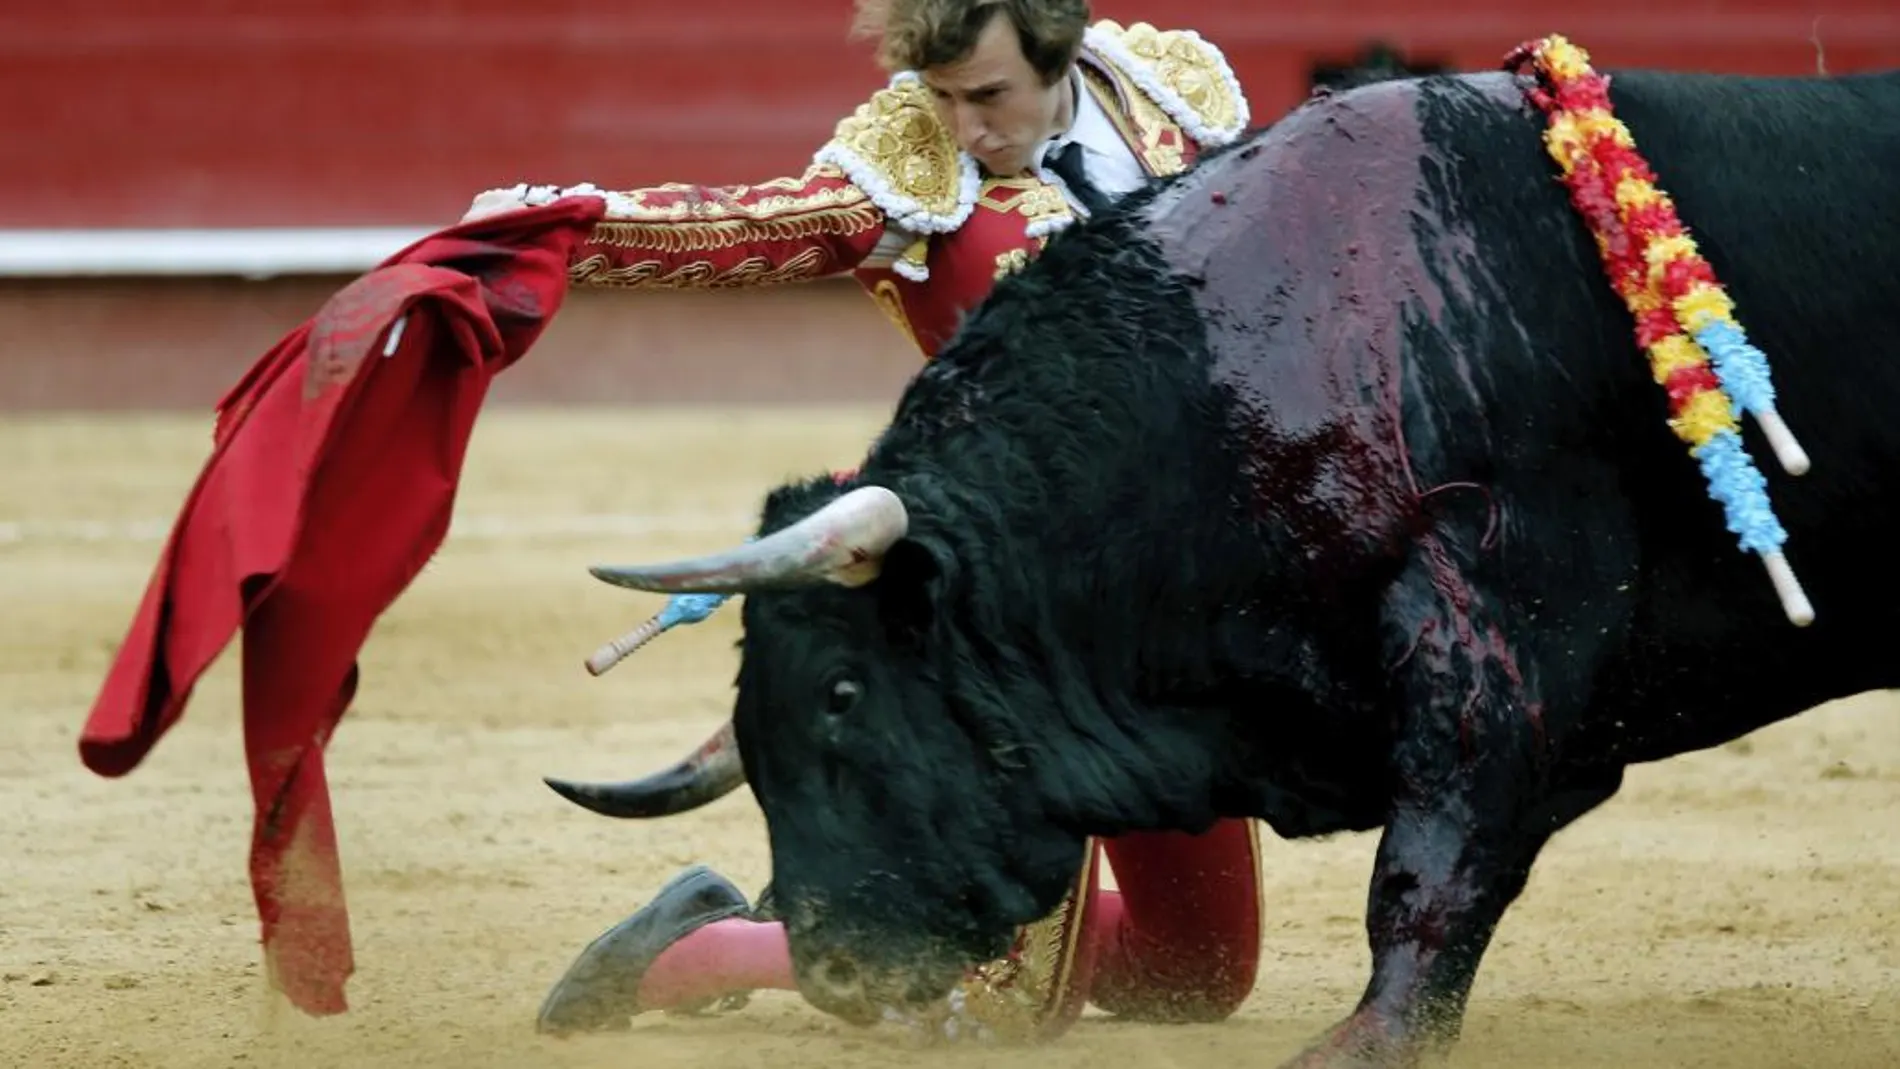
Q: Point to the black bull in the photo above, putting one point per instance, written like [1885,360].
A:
[1324,485]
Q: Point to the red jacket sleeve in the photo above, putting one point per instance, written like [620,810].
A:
[680,235]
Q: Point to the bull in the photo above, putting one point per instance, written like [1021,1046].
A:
[1323,484]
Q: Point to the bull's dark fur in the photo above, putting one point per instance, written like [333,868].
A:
[1150,583]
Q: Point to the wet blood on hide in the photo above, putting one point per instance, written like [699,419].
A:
[1314,272]
[1478,648]
[1310,267]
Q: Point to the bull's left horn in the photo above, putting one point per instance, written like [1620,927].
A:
[844,542]
[706,775]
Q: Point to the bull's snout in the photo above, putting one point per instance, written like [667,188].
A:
[835,984]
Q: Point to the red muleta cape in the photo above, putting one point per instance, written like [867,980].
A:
[330,482]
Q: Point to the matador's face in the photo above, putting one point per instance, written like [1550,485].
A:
[996,103]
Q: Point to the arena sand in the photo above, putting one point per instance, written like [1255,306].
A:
[1738,907]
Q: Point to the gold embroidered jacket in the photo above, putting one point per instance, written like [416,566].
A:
[892,168]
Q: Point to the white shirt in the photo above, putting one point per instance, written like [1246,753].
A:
[1106,159]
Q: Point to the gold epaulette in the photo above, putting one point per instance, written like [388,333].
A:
[895,148]
[1184,73]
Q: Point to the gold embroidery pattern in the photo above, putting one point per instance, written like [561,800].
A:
[1029,196]
[701,236]
[1160,137]
[884,295]
[665,203]
[917,254]
[898,136]
[1259,874]
[1008,263]
[598,270]
[1149,132]
[1004,194]
[678,218]
[1015,995]
[1186,68]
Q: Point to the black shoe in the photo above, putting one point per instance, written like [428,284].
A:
[599,991]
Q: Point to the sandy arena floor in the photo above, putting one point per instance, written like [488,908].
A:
[1736,908]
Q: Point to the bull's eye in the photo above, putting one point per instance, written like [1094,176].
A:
[844,695]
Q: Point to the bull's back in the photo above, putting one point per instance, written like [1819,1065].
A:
[1427,216]
[1788,187]
[1785,185]
[1400,296]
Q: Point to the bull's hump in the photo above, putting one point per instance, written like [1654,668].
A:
[1340,168]
[1307,247]
[1302,249]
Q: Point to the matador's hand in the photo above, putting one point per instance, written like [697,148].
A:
[497,201]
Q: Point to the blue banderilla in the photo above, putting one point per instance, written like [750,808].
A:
[679,609]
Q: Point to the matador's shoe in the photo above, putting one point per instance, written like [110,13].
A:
[600,991]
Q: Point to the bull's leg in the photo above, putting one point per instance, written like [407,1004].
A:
[1472,808]
[1436,900]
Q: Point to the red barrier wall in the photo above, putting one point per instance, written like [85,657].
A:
[374,112]
[228,113]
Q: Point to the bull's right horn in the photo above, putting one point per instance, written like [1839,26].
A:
[707,774]
[843,542]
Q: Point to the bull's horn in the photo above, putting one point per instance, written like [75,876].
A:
[844,542]
[705,775]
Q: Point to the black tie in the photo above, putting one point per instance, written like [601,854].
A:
[1067,163]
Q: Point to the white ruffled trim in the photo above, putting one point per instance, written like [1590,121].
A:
[914,272]
[903,210]
[1048,224]
[619,205]
[1106,45]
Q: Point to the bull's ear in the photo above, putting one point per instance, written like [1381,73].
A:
[911,587]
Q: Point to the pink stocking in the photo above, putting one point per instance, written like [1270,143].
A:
[723,958]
